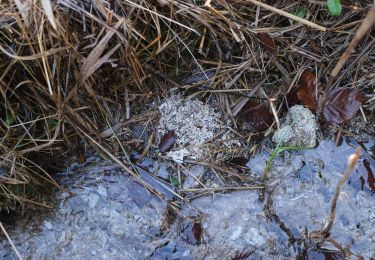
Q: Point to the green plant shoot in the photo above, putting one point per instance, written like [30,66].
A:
[301,12]
[52,123]
[334,7]
[10,119]
[278,150]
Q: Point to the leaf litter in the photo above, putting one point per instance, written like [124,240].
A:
[341,104]
[167,141]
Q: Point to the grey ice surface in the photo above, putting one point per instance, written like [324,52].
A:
[104,214]
[234,225]
[299,128]
[302,196]
[192,175]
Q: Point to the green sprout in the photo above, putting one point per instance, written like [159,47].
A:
[301,12]
[174,181]
[334,7]
[278,150]
[10,119]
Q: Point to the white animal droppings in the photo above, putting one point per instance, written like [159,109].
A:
[299,128]
[195,124]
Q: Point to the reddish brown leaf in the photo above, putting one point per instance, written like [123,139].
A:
[167,142]
[292,97]
[267,41]
[256,116]
[238,162]
[309,90]
[370,175]
[341,105]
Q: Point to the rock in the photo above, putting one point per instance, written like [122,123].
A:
[104,214]
[299,129]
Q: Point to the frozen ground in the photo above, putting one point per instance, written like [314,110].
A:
[103,214]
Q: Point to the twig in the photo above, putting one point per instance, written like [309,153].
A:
[10,241]
[122,165]
[362,30]
[352,162]
[290,16]
[207,3]
[274,112]
[218,168]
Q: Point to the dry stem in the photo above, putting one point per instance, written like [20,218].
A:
[288,15]
[10,241]
[351,163]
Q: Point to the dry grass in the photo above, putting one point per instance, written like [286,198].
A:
[74,72]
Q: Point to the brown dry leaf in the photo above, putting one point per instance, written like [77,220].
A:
[102,60]
[167,142]
[267,41]
[24,7]
[256,116]
[93,61]
[341,105]
[292,97]
[237,162]
[47,6]
[370,175]
[309,90]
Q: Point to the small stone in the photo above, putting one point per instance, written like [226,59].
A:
[93,200]
[178,155]
[102,191]
[236,234]
[299,129]
[118,230]
[48,225]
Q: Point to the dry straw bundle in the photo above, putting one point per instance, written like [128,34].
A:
[73,73]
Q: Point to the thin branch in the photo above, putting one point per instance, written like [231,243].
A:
[10,241]
[351,163]
[290,16]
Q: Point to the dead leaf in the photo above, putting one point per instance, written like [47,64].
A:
[309,90]
[370,175]
[47,6]
[238,162]
[341,105]
[267,41]
[256,116]
[93,61]
[199,76]
[24,7]
[292,97]
[167,141]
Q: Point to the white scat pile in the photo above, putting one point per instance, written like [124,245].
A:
[299,128]
[194,124]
